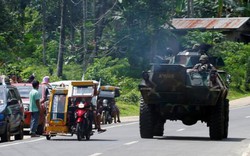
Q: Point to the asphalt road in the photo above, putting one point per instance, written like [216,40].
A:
[123,139]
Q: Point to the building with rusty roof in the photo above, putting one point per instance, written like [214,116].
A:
[235,28]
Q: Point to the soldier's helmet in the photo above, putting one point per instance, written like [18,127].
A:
[196,47]
[203,58]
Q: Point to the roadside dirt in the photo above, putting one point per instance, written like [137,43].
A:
[240,102]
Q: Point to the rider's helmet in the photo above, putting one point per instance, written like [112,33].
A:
[105,102]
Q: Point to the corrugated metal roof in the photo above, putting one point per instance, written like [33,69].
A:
[209,23]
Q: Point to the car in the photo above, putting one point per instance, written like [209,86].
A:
[11,111]
[24,90]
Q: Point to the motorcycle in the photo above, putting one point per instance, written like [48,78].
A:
[83,120]
[107,117]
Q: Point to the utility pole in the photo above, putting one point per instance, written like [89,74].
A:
[44,31]
[62,40]
[84,17]
[190,8]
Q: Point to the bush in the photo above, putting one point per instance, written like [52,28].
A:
[115,72]
[235,56]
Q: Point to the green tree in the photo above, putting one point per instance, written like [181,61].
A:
[247,81]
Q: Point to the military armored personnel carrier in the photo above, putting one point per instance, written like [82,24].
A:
[171,90]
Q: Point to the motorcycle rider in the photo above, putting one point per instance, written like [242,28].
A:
[93,114]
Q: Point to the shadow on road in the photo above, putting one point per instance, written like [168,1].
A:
[74,139]
[192,138]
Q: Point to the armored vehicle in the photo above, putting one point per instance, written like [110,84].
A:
[172,90]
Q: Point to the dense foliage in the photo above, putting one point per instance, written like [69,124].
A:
[111,40]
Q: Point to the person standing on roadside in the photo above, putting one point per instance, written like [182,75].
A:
[45,91]
[34,108]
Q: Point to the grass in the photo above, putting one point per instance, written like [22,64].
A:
[128,109]
[236,93]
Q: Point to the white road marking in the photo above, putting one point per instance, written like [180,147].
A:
[95,154]
[182,129]
[247,116]
[23,142]
[120,125]
[130,143]
[42,138]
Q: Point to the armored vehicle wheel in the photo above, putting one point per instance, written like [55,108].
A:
[226,118]
[146,120]
[216,126]
[159,127]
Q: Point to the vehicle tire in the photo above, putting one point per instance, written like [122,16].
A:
[146,120]
[40,129]
[6,135]
[19,136]
[110,119]
[159,126]
[106,114]
[48,137]
[87,135]
[88,128]
[79,131]
[216,126]
[226,122]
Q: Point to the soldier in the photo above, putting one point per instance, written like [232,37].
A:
[204,64]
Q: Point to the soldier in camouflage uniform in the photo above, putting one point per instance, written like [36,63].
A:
[204,65]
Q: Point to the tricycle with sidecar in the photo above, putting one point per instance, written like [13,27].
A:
[106,98]
[69,110]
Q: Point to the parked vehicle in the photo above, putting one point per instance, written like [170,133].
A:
[106,96]
[11,111]
[24,90]
[68,112]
